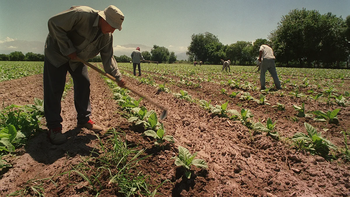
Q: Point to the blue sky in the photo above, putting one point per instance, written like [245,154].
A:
[23,23]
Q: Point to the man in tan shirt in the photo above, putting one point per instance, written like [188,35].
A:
[79,32]
[267,59]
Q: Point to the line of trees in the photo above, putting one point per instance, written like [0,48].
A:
[159,54]
[303,38]
[19,56]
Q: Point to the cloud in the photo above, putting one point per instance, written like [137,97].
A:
[7,39]
[10,45]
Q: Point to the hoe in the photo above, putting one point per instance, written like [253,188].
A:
[165,111]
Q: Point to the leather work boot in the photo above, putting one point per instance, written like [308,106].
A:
[91,126]
[56,136]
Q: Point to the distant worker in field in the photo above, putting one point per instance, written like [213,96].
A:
[195,63]
[226,65]
[267,59]
[77,33]
[200,63]
[136,57]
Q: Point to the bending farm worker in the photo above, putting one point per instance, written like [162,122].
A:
[136,57]
[267,59]
[79,32]
[226,65]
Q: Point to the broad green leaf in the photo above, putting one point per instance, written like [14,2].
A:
[334,113]
[151,133]
[132,119]
[7,143]
[160,133]
[224,106]
[169,138]
[152,120]
[260,127]
[310,129]
[199,163]
[12,131]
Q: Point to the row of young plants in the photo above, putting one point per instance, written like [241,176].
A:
[10,70]
[313,142]
[117,160]
[247,81]
[17,125]
[148,121]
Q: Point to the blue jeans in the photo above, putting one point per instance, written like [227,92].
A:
[269,65]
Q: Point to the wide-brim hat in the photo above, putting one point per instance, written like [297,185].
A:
[113,15]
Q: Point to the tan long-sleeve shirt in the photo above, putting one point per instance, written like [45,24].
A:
[76,30]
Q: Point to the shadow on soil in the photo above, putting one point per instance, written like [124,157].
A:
[42,151]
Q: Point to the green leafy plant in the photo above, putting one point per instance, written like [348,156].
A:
[186,159]
[233,94]
[300,109]
[246,96]
[159,135]
[220,110]
[223,91]
[183,95]
[279,106]
[340,100]
[330,116]
[262,100]
[205,104]
[346,151]
[243,116]
[313,141]
[317,96]
[269,128]
[162,88]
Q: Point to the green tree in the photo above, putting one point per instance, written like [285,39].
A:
[30,56]
[16,56]
[4,57]
[159,54]
[306,36]
[146,55]
[96,59]
[202,47]
[172,58]
[123,58]
[242,52]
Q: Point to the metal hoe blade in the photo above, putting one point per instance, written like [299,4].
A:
[164,114]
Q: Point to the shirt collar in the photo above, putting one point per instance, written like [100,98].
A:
[96,21]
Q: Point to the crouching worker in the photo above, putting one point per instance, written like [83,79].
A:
[80,32]
[226,65]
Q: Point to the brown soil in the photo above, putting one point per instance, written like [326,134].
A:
[241,163]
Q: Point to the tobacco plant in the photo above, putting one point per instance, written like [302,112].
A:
[186,160]
[221,110]
[330,116]
[313,141]
[279,106]
[205,104]
[243,116]
[159,135]
[300,109]
[183,95]
[269,128]
[346,152]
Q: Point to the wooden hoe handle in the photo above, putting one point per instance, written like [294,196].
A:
[165,111]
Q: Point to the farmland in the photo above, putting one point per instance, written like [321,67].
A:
[291,142]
